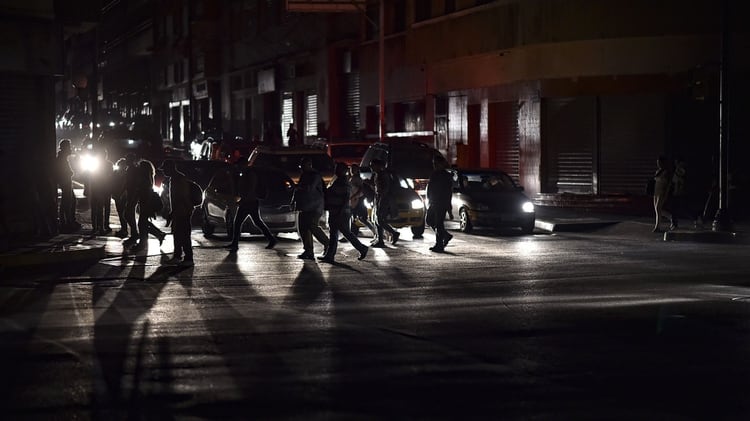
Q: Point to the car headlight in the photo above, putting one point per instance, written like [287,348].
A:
[89,163]
[368,204]
[417,204]
[158,189]
[410,183]
[527,207]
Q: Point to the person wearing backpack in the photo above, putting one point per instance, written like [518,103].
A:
[182,206]
[250,192]
[382,181]
[144,193]
[337,197]
[309,201]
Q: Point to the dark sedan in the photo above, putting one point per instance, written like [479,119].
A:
[220,202]
[490,198]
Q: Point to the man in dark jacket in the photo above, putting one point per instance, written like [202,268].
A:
[182,210]
[382,181]
[439,193]
[309,201]
[249,205]
[131,197]
[337,198]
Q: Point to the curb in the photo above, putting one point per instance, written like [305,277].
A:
[571,225]
[726,237]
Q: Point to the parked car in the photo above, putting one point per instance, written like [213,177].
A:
[348,152]
[220,201]
[490,198]
[410,208]
[410,158]
[289,159]
[199,171]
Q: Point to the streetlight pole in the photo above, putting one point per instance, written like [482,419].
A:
[381,70]
[722,220]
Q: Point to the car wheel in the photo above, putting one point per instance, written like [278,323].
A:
[206,226]
[464,221]
[528,227]
[417,231]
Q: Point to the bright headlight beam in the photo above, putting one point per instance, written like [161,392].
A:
[89,163]
[528,207]
[416,204]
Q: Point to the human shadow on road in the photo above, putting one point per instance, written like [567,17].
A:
[113,330]
[307,286]
[20,315]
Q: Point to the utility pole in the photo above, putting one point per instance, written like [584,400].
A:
[381,70]
[722,221]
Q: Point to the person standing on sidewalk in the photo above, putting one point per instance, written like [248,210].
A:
[337,198]
[382,181]
[309,201]
[249,205]
[182,210]
[679,198]
[131,198]
[64,179]
[662,187]
[439,193]
[119,196]
[100,190]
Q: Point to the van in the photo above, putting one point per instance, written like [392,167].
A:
[407,157]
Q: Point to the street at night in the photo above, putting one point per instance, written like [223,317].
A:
[609,324]
[542,205]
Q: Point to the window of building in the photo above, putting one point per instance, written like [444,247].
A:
[311,115]
[371,20]
[450,6]
[422,10]
[399,16]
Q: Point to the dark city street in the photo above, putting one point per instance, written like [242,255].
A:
[608,324]
[374,209]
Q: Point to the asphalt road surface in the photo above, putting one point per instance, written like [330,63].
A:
[601,325]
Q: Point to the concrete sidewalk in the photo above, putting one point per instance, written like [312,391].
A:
[560,219]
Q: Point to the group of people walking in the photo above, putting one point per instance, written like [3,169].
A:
[344,200]
[129,182]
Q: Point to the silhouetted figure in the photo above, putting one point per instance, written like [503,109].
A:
[337,198]
[382,182]
[360,192]
[100,193]
[663,181]
[64,179]
[679,197]
[249,205]
[291,135]
[308,199]
[182,210]
[439,193]
[131,198]
[145,193]
[119,194]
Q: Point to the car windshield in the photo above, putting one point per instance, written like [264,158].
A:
[485,181]
[291,162]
